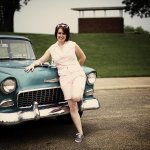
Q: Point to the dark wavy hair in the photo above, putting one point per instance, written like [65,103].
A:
[65,29]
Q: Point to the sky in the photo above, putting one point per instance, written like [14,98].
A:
[41,16]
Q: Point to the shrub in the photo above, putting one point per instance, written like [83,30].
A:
[140,30]
[128,29]
[137,30]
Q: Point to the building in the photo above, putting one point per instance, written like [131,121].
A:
[105,24]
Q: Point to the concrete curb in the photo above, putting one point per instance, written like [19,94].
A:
[122,83]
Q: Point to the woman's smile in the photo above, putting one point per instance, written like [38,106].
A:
[61,36]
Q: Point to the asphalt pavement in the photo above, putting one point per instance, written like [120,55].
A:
[122,123]
[122,83]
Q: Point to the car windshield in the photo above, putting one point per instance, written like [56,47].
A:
[16,49]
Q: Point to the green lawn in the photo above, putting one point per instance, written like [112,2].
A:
[112,55]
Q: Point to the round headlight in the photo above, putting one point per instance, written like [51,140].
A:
[91,78]
[8,86]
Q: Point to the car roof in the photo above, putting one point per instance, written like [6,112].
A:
[13,37]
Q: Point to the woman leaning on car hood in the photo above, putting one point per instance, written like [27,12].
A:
[68,58]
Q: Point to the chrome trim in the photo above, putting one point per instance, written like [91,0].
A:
[90,104]
[5,101]
[38,89]
[45,105]
[36,113]
[89,92]
[34,90]
[2,85]
[51,80]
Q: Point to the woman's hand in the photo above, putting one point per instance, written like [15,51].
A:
[40,61]
[29,68]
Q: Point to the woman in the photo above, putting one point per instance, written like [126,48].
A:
[68,58]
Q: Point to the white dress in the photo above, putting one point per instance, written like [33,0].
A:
[71,75]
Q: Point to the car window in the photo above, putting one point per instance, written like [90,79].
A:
[16,49]
[20,50]
[3,50]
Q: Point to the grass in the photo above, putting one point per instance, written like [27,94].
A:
[112,55]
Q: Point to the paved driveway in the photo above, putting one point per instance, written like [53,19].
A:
[122,123]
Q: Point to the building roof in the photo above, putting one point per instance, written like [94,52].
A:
[99,8]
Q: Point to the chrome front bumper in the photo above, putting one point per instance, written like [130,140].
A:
[21,116]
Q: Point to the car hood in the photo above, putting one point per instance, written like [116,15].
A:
[15,63]
[41,77]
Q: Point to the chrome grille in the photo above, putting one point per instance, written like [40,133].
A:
[42,96]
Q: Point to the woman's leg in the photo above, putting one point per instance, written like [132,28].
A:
[77,94]
[73,93]
[78,88]
[75,115]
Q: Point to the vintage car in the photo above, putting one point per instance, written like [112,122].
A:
[30,96]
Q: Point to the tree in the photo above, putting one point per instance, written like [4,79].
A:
[7,10]
[140,8]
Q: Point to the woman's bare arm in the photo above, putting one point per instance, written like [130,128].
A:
[39,61]
[80,54]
